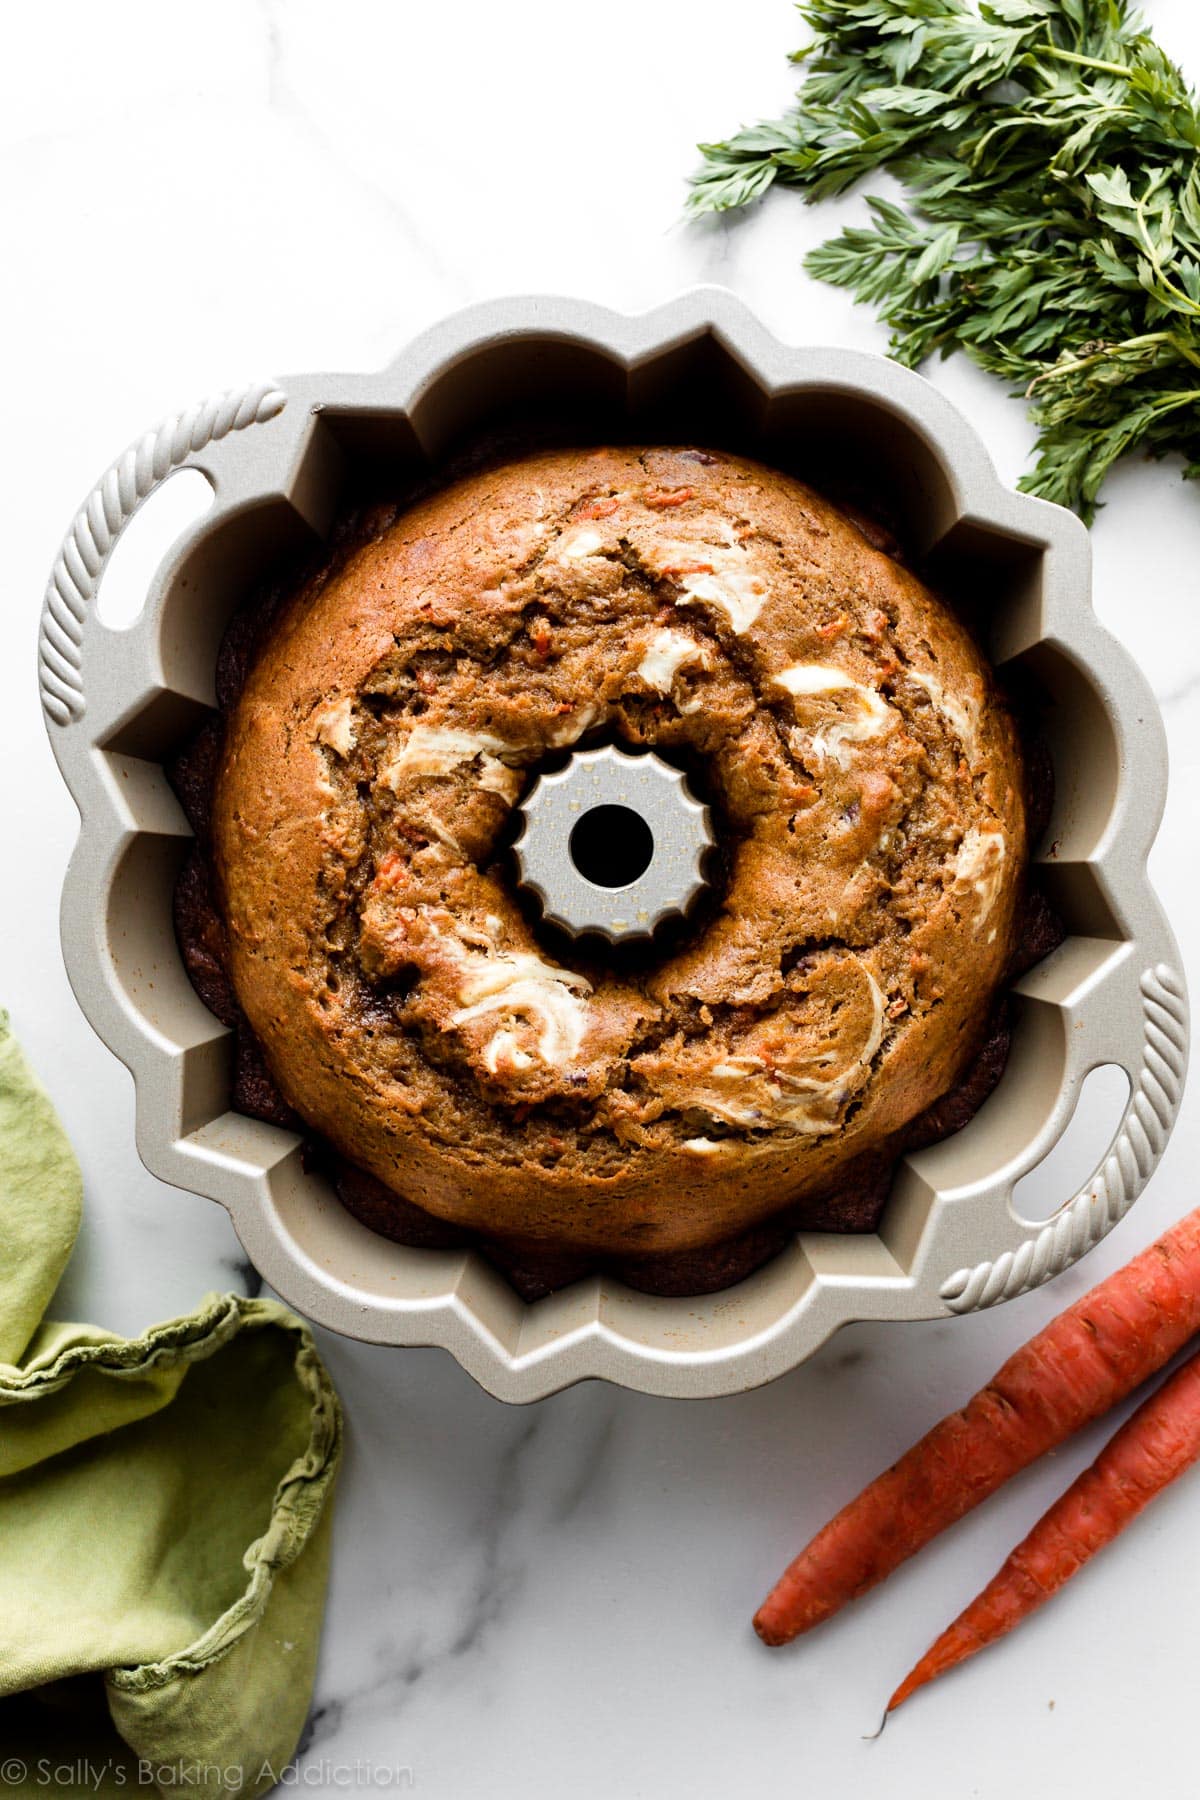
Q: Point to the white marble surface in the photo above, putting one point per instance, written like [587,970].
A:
[552,1601]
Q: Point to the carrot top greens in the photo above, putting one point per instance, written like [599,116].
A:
[1048,152]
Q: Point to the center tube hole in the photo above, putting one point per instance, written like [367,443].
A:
[612,846]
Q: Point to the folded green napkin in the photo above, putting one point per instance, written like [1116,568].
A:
[165,1507]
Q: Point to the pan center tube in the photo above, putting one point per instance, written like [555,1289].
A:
[613,844]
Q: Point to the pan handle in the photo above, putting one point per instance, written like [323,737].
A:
[1133,1155]
[130,480]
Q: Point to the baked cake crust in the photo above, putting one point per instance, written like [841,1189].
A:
[864,772]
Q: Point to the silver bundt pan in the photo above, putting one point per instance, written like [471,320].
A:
[280,458]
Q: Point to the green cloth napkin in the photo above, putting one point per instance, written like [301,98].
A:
[165,1507]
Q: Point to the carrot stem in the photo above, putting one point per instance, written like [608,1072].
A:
[1156,1444]
[1087,1359]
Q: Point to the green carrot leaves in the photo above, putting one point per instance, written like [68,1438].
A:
[1048,150]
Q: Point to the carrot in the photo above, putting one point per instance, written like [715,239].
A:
[1087,1359]
[1159,1442]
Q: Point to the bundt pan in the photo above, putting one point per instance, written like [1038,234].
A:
[281,458]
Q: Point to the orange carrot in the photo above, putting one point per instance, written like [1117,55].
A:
[1086,1360]
[1159,1442]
